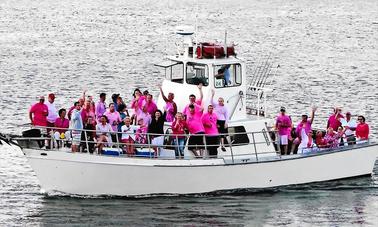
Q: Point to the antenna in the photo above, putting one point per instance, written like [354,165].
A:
[196,31]
[225,43]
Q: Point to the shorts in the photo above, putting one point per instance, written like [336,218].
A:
[76,138]
[221,128]
[196,141]
[284,139]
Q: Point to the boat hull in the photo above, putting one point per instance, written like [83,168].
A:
[84,174]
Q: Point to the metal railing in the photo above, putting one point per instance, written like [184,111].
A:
[245,141]
[88,143]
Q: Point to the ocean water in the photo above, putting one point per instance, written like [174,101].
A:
[327,47]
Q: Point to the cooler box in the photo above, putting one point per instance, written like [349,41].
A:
[111,151]
[144,153]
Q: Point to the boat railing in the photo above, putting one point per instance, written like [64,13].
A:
[88,142]
[251,142]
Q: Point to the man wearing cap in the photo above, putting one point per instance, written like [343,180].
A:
[52,111]
[283,125]
[350,125]
[40,112]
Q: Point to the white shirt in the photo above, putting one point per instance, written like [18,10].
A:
[351,124]
[53,113]
[129,131]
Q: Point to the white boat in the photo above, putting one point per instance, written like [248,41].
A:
[251,160]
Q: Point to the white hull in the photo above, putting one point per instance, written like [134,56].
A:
[84,174]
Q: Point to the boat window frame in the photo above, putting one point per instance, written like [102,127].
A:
[204,83]
[168,70]
[239,131]
[240,78]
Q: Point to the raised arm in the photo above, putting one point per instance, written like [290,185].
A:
[212,97]
[162,95]
[313,114]
[200,90]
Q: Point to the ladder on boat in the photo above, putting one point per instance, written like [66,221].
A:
[259,85]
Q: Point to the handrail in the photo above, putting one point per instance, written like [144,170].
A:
[252,142]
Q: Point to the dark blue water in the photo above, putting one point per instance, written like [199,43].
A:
[328,47]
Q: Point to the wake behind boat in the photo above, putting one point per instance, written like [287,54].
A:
[252,156]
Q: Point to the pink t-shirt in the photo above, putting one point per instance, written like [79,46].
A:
[334,122]
[283,124]
[194,122]
[40,112]
[61,123]
[178,128]
[137,105]
[209,122]
[85,114]
[362,131]
[151,107]
[146,118]
[170,112]
[197,107]
[114,118]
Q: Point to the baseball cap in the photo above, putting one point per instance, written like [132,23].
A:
[52,96]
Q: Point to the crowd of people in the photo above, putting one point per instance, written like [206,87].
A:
[340,131]
[105,124]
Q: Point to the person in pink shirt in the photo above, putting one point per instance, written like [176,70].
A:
[38,113]
[137,102]
[209,122]
[145,116]
[362,130]
[222,114]
[113,117]
[178,130]
[150,105]
[62,124]
[302,130]
[195,127]
[141,133]
[283,125]
[195,102]
[170,108]
[87,113]
[334,120]
[100,107]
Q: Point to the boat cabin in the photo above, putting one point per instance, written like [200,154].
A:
[214,66]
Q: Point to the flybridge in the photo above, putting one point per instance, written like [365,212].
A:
[202,50]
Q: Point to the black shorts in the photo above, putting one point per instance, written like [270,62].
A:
[196,141]
[221,128]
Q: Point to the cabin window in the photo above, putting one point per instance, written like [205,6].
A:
[177,73]
[238,135]
[174,71]
[227,75]
[197,73]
